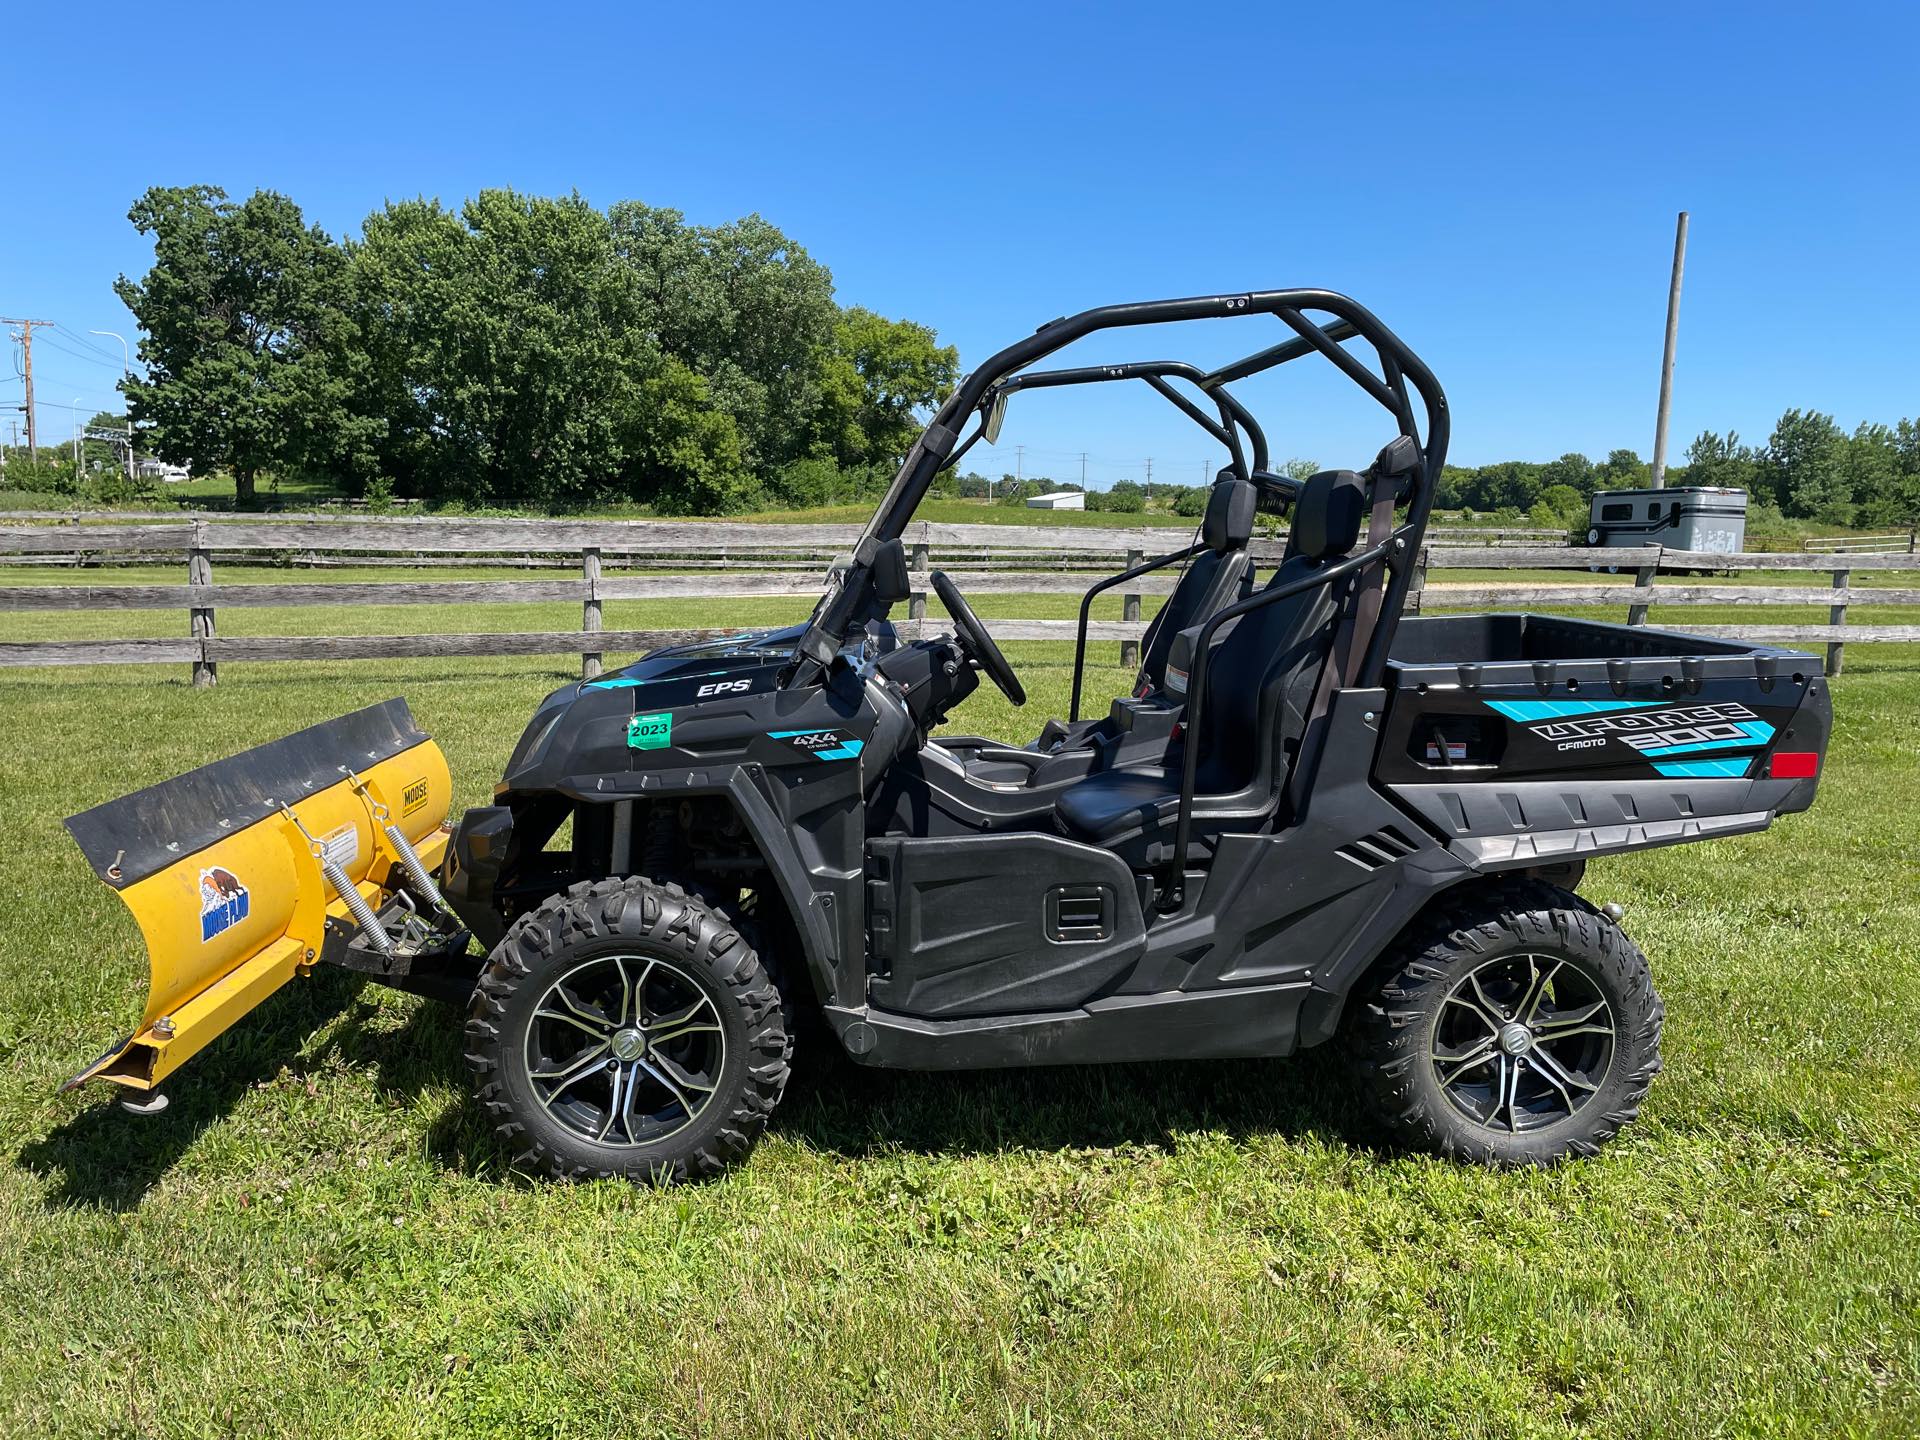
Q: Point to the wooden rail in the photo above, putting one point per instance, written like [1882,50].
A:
[685,560]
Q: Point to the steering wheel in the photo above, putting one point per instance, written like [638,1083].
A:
[978,642]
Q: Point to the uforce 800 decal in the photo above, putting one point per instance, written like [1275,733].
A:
[1648,727]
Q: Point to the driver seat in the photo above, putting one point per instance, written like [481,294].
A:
[1260,684]
[1212,580]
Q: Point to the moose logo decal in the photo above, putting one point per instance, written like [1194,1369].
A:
[223,902]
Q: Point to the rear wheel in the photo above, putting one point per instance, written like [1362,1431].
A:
[628,1029]
[1516,1027]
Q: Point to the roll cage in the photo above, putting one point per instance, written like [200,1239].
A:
[851,597]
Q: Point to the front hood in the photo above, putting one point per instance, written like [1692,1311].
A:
[673,677]
[759,643]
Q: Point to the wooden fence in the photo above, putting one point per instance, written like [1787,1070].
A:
[636,560]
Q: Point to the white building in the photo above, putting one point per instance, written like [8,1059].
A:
[1059,500]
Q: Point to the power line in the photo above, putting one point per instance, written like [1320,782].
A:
[68,350]
[77,337]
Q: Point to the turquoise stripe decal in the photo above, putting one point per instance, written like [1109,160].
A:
[623,682]
[1560,709]
[1757,732]
[1703,769]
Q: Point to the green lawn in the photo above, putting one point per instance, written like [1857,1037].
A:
[319,1238]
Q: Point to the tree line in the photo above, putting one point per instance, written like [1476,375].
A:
[518,349]
[1808,469]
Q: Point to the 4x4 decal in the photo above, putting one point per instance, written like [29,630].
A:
[821,744]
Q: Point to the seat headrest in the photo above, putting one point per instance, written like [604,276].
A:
[1229,520]
[1327,516]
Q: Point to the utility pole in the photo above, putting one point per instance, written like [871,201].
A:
[25,335]
[1149,474]
[1666,362]
[1083,469]
[75,417]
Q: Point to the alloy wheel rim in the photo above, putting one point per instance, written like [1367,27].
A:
[1523,1042]
[625,1050]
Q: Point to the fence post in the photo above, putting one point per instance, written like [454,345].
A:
[200,617]
[1130,612]
[922,561]
[590,608]
[1643,578]
[1837,615]
[1417,582]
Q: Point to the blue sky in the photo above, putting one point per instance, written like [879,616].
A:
[1498,183]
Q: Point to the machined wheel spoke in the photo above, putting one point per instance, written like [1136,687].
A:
[566,1017]
[1558,1073]
[1566,1095]
[587,1013]
[1564,1023]
[682,1078]
[1468,1060]
[684,1022]
[616,1105]
[574,1070]
[1536,989]
[1498,1015]
[1487,1017]
[1500,1068]
[654,1068]
[609,1016]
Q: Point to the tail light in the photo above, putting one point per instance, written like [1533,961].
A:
[1794,765]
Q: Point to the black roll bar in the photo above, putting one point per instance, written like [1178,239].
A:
[1197,691]
[1156,373]
[1399,366]
[1086,605]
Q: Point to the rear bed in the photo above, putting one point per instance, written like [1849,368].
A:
[1529,740]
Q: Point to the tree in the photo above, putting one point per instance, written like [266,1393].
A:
[1804,467]
[1572,470]
[742,305]
[249,350]
[877,378]
[1622,470]
[507,345]
[1882,492]
[1721,460]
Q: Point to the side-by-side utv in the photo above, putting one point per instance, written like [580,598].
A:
[1310,819]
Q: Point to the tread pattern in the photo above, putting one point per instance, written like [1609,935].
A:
[1386,1029]
[637,909]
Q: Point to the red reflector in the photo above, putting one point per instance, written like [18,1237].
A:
[1794,765]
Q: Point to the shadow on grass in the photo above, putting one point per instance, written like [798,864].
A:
[104,1157]
[837,1106]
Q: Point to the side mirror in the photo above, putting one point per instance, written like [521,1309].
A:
[996,416]
[890,579]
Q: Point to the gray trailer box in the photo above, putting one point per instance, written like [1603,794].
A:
[1681,517]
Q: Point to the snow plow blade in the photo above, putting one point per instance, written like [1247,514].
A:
[231,870]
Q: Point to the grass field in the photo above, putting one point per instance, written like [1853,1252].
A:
[320,1238]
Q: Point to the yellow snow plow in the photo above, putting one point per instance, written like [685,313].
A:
[251,870]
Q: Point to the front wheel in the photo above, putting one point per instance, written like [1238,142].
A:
[1513,1027]
[626,1028]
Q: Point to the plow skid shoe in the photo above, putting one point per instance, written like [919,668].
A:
[226,870]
